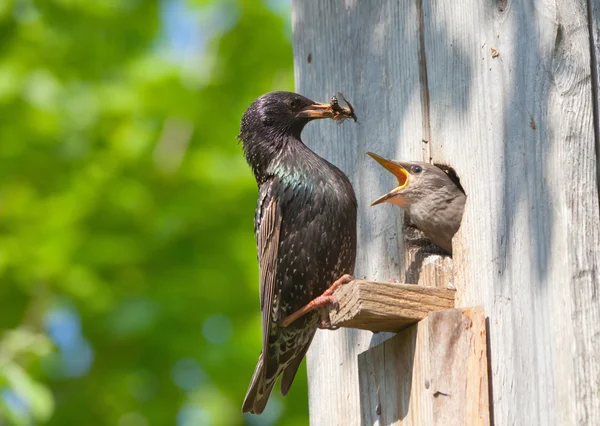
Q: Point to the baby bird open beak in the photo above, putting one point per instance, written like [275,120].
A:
[397,170]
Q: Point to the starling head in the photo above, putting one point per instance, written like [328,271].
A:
[432,197]
[416,180]
[273,122]
[277,114]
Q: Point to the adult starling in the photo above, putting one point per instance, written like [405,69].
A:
[305,226]
[430,194]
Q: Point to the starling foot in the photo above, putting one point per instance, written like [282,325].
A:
[320,302]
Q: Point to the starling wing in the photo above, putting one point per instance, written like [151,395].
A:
[305,242]
[281,352]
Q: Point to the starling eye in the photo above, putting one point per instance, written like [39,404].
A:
[293,104]
[417,169]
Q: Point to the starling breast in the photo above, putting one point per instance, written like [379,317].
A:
[305,226]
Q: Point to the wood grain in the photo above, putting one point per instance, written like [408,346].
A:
[355,51]
[594,30]
[377,306]
[433,373]
[519,130]
[528,248]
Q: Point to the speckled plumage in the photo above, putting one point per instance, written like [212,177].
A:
[305,227]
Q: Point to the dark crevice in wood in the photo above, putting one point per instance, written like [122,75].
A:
[594,70]
[449,170]
[502,5]
[424,84]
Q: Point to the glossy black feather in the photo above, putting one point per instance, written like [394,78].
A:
[305,226]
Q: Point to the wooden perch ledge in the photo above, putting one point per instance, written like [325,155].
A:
[379,306]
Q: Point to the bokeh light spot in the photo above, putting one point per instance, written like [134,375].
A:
[269,417]
[217,329]
[14,403]
[193,415]
[187,374]
[63,326]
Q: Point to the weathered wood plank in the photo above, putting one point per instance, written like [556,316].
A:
[354,50]
[422,267]
[594,29]
[519,130]
[433,373]
[378,306]
[389,381]
[530,231]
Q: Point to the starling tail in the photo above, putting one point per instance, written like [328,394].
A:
[260,388]
[263,380]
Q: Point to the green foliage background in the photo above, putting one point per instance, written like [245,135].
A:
[128,276]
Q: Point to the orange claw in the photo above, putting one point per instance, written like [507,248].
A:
[320,302]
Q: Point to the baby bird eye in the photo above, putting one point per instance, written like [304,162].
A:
[293,104]
[417,169]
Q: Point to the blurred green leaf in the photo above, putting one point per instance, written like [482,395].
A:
[37,396]
[126,200]
[14,343]
[14,346]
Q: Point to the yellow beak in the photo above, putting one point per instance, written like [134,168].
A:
[397,170]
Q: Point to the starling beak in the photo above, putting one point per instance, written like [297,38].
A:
[430,194]
[317,110]
[305,227]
